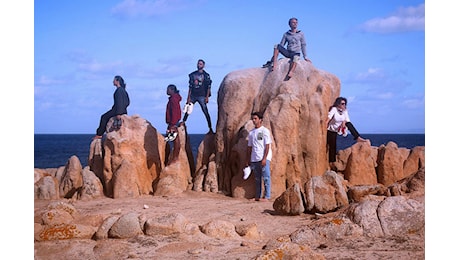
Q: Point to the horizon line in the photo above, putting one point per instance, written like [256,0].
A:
[370,133]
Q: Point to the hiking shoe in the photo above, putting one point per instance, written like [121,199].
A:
[268,64]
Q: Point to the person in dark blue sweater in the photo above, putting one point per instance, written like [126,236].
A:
[120,105]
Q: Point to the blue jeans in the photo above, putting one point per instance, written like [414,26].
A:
[204,108]
[262,173]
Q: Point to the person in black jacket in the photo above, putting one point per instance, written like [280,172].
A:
[199,90]
[120,104]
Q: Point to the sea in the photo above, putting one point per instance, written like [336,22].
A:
[54,150]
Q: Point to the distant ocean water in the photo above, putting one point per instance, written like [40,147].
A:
[54,150]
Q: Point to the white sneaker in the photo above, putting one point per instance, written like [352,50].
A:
[246,172]
[170,137]
[190,108]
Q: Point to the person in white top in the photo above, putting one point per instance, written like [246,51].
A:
[259,155]
[338,122]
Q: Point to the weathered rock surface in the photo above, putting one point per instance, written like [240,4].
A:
[215,226]
[290,202]
[295,111]
[136,199]
[134,156]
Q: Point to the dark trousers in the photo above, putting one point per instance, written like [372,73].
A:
[204,108]
[103,122]
[332,140]
[353,130]
[332,145]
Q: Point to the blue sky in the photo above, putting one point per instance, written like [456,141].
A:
[376,49]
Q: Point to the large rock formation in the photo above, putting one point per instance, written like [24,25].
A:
[176,176]
[295,111]
[133,158]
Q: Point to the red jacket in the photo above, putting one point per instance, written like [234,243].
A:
[173,111]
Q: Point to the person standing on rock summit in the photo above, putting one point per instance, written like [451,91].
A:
[259,155]
[200,90]
[120,105]
[296,43]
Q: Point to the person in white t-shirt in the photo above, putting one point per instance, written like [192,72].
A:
[338,122]
[259,155]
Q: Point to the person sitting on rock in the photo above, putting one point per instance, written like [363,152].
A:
[120,105]
[295,40]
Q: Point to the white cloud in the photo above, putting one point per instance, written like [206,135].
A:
[97,67]
[43,106]
[78,55]
[385,95]
[413,103]
[405,19]
[371,75]
[137,8]
[44,80]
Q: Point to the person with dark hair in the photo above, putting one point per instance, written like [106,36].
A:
[259,155]
[338,122]
[120,105]
[199,90]
[173,112]
[295,40]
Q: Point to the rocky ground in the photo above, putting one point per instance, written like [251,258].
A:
[201,208]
